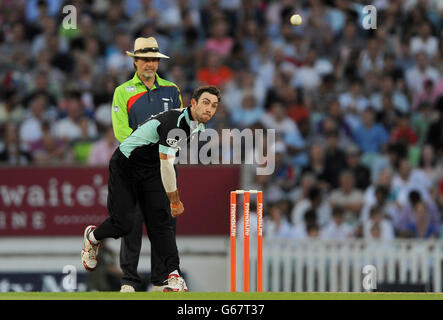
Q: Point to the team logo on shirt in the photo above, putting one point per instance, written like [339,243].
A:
[130,88]
[173,142]
[115,108]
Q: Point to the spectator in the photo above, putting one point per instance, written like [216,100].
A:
[61,59]
[319,29]
[407,179]
[103,101]
[403,131]
[297,110]
[421,121]
[335,159]
[219,42]
[337,116]
[438,63]
[271,191]
[316,165]
[381,201]
[248,113]
[276,119]
[348,198]
[337,229]
[387,116]
[114,20]
[313,230]
[406,216]
[425,41]
[375,231]
[326,94]
[398,99]
[48,150]
[284,175]
[42,85]
[101,151]
[440,194]
[13,152]
[307,227]
[146,14]
[430,168]
[251,35]
[371,58]
[41,41]
[16,41]
[435,132]
[404,57]
[31,128]
[416,76]
[10,108]
[81,146]
[69,128]
[38,9]
[382,179]
[422,226]
[370,136]
[118,62]
[426,96]
[277,225]
[354,100]
[391,69]
[242,83]
[301,191]
[309,75]
[298,144]
[349,42]
[316,202]
[378,226]
[213,72]
[361,173]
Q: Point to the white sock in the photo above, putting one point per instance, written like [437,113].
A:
[175,272]
[92,238]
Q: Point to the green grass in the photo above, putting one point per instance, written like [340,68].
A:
[217,296]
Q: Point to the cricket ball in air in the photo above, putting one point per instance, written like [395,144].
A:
[296,19]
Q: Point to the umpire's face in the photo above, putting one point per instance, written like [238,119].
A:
[146,67]
[204,109]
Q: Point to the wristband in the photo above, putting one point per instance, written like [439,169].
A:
[175,206]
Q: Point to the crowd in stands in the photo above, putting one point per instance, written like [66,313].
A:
[358,114]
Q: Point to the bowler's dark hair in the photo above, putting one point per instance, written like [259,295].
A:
[202,89]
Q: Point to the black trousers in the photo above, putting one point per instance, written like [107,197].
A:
[127,191]
[130,248]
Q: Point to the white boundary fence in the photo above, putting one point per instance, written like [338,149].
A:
[317,265]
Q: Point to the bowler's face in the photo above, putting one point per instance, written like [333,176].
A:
[205,107]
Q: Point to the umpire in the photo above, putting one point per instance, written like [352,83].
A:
[134,101]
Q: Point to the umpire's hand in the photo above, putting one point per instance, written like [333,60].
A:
[177,209]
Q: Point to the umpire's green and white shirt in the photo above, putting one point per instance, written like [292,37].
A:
[133,103]
[165,132]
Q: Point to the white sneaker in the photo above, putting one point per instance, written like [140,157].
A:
[175,284]
[127,288]
[159,288]
[89,250]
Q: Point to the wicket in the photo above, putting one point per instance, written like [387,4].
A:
[246,232]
